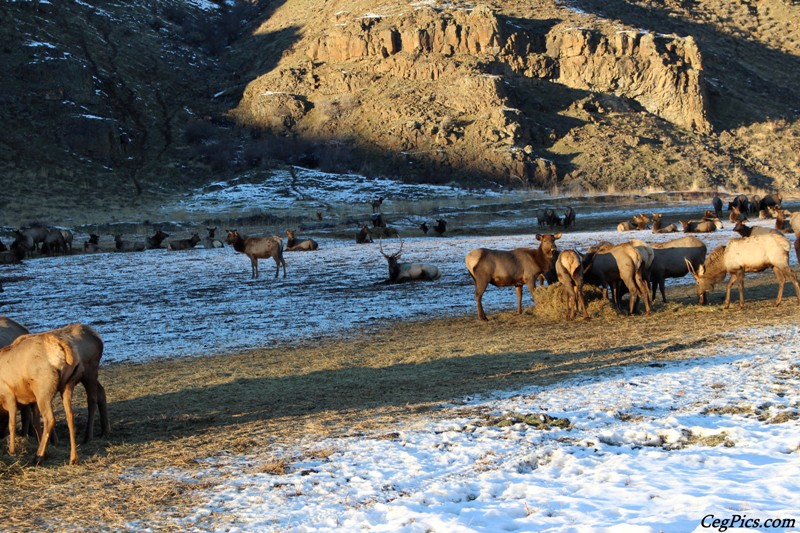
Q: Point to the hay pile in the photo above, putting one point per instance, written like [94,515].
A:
[550,302]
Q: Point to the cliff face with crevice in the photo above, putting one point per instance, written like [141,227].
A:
[466,67]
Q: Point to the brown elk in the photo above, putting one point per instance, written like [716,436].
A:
[154,241]
[402,272]
[608,265]
[32,369]
[749,231]
[258,248]
[88,345]
[440,227]
[737,214]
[668,261]
[185,244]
[54,243]
[717,203]
[569,217]
[514,268]
[748,254]
[293,244]
[92,244]
[701,226]
[424,228]
[364,235]
[657,228]
[376,204]
[569,269]
[781,223]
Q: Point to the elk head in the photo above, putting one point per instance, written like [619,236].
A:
[393,259]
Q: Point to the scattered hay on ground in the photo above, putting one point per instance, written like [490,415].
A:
[551,303]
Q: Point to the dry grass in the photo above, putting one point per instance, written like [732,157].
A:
[170,415]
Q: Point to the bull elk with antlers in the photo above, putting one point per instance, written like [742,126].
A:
[402,272]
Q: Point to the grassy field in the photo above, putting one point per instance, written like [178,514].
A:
[174,414]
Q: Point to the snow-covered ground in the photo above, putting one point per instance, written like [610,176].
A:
[691,445]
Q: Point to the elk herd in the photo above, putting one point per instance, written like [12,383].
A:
[34,367]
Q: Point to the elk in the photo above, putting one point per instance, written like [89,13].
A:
[23,245]
[381,232]
[424,228]
[376,204]
[92,244]
[88,346]
[68,238]
[701,226]
[547,217]
[127,246]
[781,224]
[669,261]
[37,233]
[672,228]
[402,272]
[569,217]
[258,248]
[32,369]
[154,241]
[740,202]
[717,203]
[748,254]
[440,227]
[569,269]
[794,222]
[185,244]
[293,244]
[514,268]
[607,265]
[364,235]
[749,231]
[210,241]
[737,214]
[770,200]
[639,221]
[54,243]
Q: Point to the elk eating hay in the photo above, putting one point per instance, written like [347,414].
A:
[551,303]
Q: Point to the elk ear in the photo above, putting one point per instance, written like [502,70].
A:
[538,236]
[557,236]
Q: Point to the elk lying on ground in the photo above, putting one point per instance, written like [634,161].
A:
[701,226]
[185,244]
[569,269]
[657,228]
[639,221]
[154,241]
[293,244]
[88,346]
[749,231]
[737,214]
[127,246]
[440,227]
[514,268]
[210,241]
[781,223]
[670,261]
[748,254]
[424,228]
[258,248]
[32,369]
[364,235]
[92,244]
[607,265]
[402,272]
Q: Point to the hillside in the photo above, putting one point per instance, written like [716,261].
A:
[109,106]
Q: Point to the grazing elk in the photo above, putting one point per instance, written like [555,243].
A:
[701,226]
[37,233]
[748,254]
[770,200]
[569,269]
[376,204]
[364,235]
[23,245]
[608,265]
[54,243]
[185,244]
[440,227]
[669,261]
[749,231]
[514,268]
[127,246]
[32,369]
[92,244]
[68,238]
[258,248]
[210,240]
[739,202]
[154,241]
[293,244]
[402,272]
[716,202]
[88,346]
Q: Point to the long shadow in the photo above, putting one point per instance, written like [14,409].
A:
[748,82]
[196,409]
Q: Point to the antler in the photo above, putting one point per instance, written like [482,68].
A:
[395,255]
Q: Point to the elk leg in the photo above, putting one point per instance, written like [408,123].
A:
[781,282]
[91,403]
[66,399]
[793,278]
[643,289]
[731,281]
[46,410]
[519,299]
[480,288]
[102,406]
[254,266]
[11,407]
